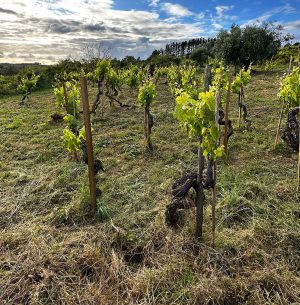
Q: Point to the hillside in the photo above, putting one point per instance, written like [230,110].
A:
[53,252]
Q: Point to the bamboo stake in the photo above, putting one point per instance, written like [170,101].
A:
[89,142]
[282,108]
[225,142]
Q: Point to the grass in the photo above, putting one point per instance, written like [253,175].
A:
[52,251]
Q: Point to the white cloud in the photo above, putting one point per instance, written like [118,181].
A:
[222,19]
[292,26]
[222,9]
[154,3]
[176,10]
[217,26]
[52,30]
[285,9]
[200,16]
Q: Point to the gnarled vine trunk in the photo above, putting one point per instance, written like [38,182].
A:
[98,100]
[148,123]
[291,130]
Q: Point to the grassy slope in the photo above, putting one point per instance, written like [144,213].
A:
[53,252]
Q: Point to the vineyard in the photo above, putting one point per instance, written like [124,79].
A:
[194,202]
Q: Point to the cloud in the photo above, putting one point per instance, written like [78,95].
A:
[94,27]
[221,9]
[62,27]
[176,10]
[217,26]
[153,3]
[200,16]
[221,19]
[11,12]
[46,29]
[72,26]
[292,26]
[285,9]
[50,30]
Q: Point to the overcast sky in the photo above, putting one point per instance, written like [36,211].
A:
[47,31]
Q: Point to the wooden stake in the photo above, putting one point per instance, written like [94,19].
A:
[225,142]
[298,184]
[214,204]
[89,141]
[200,197]
[146,127]
[282,108]
[199,193]
[214,191]
[279,123]
[240,114]
[65,96]
[240,101]
[207,77]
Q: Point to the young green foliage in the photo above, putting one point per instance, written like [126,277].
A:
[197,116]
[73,141]
[68,100]
[174,76]
[241,79]
[102,69]
[71,122]
[146,93]
[134,76]
[290,88]
[27,84]
[145,99]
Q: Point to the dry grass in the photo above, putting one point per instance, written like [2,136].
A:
[53,252]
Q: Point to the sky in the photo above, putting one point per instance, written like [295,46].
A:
[47,31]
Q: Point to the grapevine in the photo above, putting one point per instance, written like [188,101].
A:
[26,85]
[107,80]
[289,94]
[145,99]
[197,115]
[241,80]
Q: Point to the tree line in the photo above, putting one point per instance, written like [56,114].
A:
[184,47]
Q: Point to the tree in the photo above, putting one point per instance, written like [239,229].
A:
[93,52]
[254,43]
[200,55]
[229,45]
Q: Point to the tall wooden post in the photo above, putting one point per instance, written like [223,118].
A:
[298,182]
[240,100]
[200,193]
[199,189]
[225,142]
[147,127]
[89,141]
[214,191]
